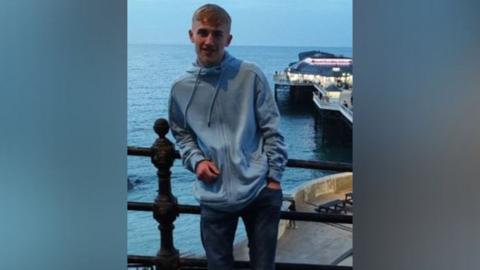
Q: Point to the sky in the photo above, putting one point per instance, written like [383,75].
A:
[316,23]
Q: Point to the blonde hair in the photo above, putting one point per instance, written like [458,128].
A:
[212,14]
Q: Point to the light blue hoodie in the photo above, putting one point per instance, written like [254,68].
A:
[227,114]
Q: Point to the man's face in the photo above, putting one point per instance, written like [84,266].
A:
[210,42]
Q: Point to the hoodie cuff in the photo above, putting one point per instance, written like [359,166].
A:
[192,162]
[275,175]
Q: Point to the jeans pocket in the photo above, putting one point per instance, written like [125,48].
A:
[275,196]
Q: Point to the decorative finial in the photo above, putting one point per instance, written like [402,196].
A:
[161,127]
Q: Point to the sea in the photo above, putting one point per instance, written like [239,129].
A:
[151,71]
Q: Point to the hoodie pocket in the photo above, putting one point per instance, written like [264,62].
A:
[255,166]
[258,157]
[210,192]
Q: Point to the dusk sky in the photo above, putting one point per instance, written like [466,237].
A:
[318,23]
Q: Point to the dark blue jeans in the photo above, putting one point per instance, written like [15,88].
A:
[261,218]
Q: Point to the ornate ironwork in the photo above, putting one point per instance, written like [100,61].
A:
[165,206]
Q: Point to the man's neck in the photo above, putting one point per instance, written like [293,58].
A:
[211,65]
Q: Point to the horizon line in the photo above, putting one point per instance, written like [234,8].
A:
[243,45]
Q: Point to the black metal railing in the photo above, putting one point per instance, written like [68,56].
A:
[165,209]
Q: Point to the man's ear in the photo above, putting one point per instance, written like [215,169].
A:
[229,39]
[190,35]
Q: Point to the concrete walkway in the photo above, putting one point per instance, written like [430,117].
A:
[311,242]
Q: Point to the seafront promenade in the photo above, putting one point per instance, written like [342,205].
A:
[313,242]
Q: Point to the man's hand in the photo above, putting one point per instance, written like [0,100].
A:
[272,184]
[207,171]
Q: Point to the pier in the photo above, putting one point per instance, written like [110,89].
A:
[165,210]
[325,78]
[336,101]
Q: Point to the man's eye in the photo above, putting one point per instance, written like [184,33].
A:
[202,33]
[218,34]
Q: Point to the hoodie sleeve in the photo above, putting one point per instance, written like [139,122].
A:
[268,118]
[185,138]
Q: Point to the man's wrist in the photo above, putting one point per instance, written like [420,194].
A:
[273,184]
[271,180]
[198,162]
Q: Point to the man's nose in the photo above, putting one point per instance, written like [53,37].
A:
[210,39]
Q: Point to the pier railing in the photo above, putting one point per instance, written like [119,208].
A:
[165,209]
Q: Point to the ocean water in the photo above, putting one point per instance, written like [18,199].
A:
[151,71]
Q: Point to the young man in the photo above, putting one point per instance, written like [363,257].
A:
[225,121]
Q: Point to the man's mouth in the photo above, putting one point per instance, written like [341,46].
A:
[209,51]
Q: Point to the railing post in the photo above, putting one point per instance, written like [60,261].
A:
[165,208]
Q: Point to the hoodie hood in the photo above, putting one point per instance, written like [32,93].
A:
[213,70]
[199,70]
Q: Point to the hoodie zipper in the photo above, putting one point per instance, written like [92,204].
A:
[226,180]
[228,186]
[221,127]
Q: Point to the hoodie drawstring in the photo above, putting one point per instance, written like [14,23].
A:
[214,97]
[221,69]
[197,81]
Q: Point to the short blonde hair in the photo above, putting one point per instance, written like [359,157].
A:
[212,14]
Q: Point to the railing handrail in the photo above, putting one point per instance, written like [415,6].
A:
[290,215]
[292,163]
[195,263]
